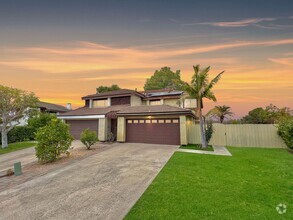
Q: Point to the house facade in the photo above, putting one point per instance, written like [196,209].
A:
[158,117]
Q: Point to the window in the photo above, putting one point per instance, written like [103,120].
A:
[168,121]
[148,121]
[100,103]
[161,121]
[175,121]
[154,121]
[190,103]
[155,102]
[141,121]
[129,121]
[135,121]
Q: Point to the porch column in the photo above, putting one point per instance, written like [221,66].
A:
[183,130]
[121,129]
[103,124]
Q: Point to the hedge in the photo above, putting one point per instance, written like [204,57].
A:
[20,133]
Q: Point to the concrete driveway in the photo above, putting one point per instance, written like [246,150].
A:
[24,156]
[102,186]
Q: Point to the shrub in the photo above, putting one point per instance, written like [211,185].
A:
[88,138]
[53,140]
[285,130]
[20,133]
[40,120]
[209,131]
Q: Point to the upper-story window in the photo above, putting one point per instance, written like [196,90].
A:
[125,100]
[190,103]
[155,102]
[100,103]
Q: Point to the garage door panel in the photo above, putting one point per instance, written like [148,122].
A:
[155,131]
[77,126]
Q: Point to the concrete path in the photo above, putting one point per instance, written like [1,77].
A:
[218,150]
[103,186]
[24,156]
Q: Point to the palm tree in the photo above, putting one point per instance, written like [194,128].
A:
[200,88]
[220,112]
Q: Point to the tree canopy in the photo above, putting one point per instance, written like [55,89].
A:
[268,115]
[220,112]
[14,105]
[163,78]
[102,89]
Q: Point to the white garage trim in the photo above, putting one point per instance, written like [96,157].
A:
[82,117]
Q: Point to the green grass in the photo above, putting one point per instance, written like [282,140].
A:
[17,146]
[248,185]
[196,147]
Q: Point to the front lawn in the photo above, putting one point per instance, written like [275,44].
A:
[17,146]
[248,185]
[196,147]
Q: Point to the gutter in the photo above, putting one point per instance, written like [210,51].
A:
[81,116]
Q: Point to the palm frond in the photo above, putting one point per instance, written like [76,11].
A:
[212,83]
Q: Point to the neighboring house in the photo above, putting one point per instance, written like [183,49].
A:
[139,117]
[53,108]
[46,107]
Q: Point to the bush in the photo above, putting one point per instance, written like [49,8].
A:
[53,140]
[88,138]
[40,120]
[20,133]
[285,130]
[209,131]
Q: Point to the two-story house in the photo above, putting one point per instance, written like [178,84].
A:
[159,116]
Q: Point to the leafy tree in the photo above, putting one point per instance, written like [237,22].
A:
[256,116]
[285,130]
[268,115]
[102,89]
[15,104]
[40,120]
[53,140]
[200,88]
[220,112]
[163,78]
[88,138]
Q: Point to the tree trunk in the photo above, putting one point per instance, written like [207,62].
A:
[221,119]
[4,138]
[202,130]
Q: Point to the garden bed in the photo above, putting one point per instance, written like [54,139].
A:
[196,147]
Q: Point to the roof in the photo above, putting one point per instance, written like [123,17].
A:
[153,109]
[94,111]
[162,93]
[128,110]
[119,92]
[52,107]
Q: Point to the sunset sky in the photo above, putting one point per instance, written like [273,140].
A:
[62,50]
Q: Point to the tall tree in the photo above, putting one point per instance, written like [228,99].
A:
[200,88]
[220,112]
[14,105]
[268,115]
[163,78]
[102,89]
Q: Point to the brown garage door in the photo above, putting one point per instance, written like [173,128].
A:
[153,131]
[77,126]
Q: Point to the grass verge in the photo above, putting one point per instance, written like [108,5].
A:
[17,146]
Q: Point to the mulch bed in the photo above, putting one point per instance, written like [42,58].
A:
[35,169]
